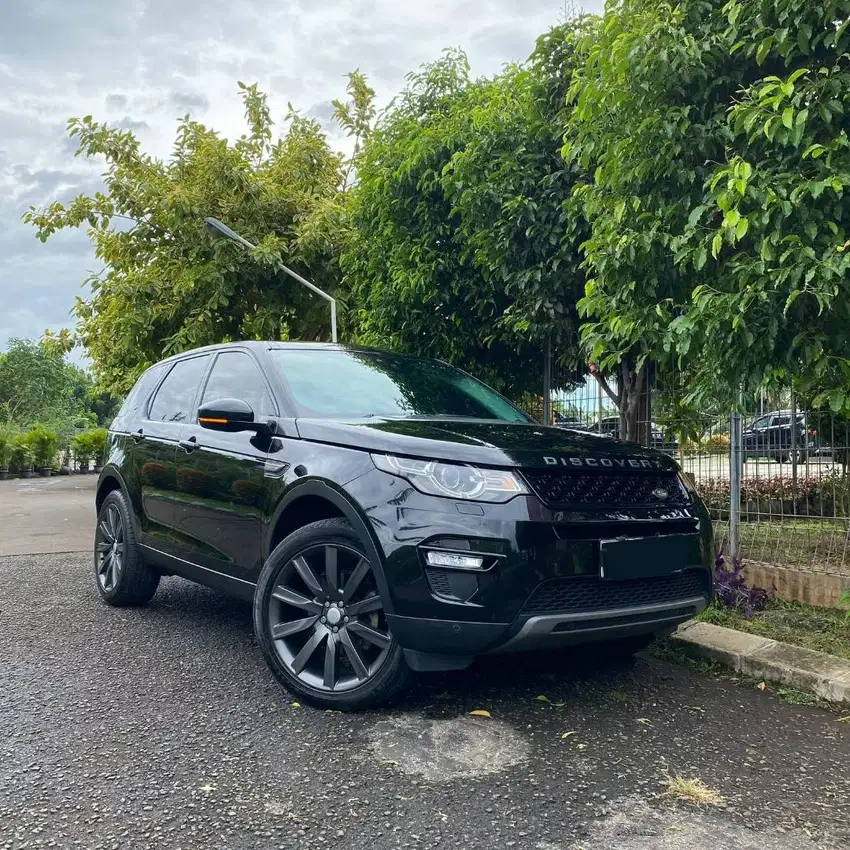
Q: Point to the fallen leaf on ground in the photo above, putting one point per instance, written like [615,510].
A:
[844,719]
[543,698]
[296,704]
[480,712]
[761,686]
[645,721]
[567,734]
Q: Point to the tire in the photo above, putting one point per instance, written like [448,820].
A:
[328,645]
[122,577]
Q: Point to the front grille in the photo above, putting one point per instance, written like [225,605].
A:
[564,595]
[607,489]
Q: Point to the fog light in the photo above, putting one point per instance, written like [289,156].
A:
[454,561]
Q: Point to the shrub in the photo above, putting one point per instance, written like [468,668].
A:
[98,440]
[44,444]
[825,495]
[22,453]
[7,445]
[731,591]
[82,445]
[716,444]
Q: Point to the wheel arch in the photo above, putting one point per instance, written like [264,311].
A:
[110,480]
[314,499]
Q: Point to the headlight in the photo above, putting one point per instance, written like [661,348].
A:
[453,480]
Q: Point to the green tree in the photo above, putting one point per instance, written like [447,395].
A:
[35,385]
[718,135]
[463,244]
[167,285]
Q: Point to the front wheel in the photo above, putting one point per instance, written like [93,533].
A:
[320,621]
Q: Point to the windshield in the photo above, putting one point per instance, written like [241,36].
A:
[355,384]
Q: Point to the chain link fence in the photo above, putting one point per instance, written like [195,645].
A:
[790,462]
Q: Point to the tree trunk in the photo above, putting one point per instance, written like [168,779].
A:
[632,401]
[634,404]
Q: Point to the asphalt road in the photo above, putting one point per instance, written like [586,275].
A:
[40,515]
[161,728]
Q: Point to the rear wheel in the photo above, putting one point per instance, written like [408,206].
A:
[122,577]
[320,621]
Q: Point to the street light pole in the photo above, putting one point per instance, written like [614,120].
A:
[219,228]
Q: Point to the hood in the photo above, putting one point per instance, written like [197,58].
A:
[484,442]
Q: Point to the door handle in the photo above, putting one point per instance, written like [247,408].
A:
[138,436]
[189,445]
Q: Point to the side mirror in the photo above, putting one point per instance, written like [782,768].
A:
[229,414]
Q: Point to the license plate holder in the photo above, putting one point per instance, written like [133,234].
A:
[646,557]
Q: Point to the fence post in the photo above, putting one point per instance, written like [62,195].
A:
[547,382]
[735,470]
[794,446]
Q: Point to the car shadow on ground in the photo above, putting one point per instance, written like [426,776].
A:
[570,672]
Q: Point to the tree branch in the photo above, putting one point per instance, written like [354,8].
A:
[606,387]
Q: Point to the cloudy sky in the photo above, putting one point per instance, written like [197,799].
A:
[143,63]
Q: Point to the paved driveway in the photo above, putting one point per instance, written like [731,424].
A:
[43,515]
[161,728]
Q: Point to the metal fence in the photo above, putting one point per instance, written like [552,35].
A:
[789,464]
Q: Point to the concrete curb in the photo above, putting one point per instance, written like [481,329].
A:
[770,660]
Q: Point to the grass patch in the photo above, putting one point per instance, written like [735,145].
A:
[822,629]
[692,790]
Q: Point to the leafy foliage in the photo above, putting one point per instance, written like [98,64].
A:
[7,445]
[169,286]
[44,444]
[37,385]
[731,591]
[464,240]
[718,135]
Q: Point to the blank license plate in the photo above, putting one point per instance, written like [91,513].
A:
[646,557]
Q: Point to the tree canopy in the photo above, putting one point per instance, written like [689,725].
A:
[167,285]
[718,139]
[37,385]
[463,244]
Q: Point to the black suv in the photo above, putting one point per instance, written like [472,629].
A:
[772,436]
[385,514]
[610,427]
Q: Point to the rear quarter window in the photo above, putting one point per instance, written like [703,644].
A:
[134,404]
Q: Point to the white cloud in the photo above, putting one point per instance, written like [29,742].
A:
[144,63]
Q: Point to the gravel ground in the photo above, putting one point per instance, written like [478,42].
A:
[161,728]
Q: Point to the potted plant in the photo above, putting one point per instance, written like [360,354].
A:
[81,444]
[43,443]
[23,456]
[98,439]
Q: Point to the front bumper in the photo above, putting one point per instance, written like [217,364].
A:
[543,631]
[541,585]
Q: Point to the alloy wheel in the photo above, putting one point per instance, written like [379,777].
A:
[109,546]
[326,620]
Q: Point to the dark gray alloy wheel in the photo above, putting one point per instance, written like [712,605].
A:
[122,576]
[320,620]
[110,548]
